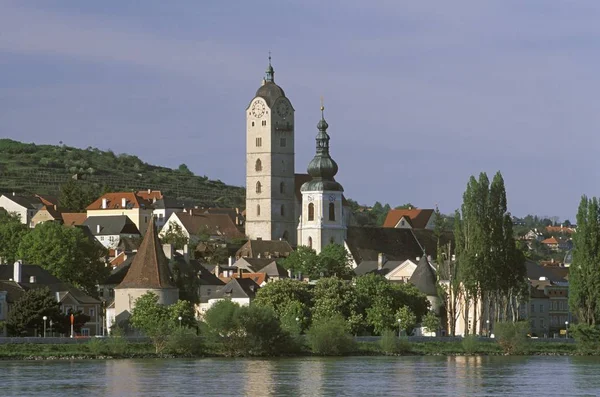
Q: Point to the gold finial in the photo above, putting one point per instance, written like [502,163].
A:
[322,107]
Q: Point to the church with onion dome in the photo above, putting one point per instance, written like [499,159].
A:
[303,209]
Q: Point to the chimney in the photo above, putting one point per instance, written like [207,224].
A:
[55,207]
[217,270]
[104,202]
[186,253]
[13,193]
[380,261]
[168,250]
[149,191]
[258,255]
[97,229]
[31,279]
[428,258]
[239,272]
[289,273]
[17,271]
[123,202]
[230,261]
[418,258]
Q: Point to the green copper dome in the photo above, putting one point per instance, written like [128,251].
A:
[322,167]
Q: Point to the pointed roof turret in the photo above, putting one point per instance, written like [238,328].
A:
[322,167]
[270,73]
[150,266]
[424,278]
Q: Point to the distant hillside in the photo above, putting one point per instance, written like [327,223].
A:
[43,168]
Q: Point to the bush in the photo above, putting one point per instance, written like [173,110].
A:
[470,344]
[587,338]
[390,343]
[116,343]
[184,341]
[512,337]
[96,346]
[330,337]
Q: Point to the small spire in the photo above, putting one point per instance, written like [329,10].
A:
[270,73]
[322,108]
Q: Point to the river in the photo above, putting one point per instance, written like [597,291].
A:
[348,376]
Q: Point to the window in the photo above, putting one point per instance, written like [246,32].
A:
[554,305]
[258,210]
[282,142]
[85,332]
[532,308]
[533,323]
[258,165]
[253,124]
[282,210]
[258,142]
[111,293]
[541,307]
[208,291]
[311,212]
[541,323]
[258,187]
[264,123]
[283,168]
[310,242]
[145,219]
[92,313]
[282,187]
[331,211]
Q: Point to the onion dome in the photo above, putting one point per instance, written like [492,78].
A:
[269,91]
[322,167]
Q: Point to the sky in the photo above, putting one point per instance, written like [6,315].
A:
[418,95]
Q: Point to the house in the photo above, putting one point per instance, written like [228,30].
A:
[533,235]
[209,285]
[560,229]
[29,276]
[162,206]
[551,243]
[22,206]
[410,218]
[109,230]
[194,223]
[45,214]
[239,290]
[265,249]
[73,218]
[10,292]
[149,272]
[267,266]
[134,207]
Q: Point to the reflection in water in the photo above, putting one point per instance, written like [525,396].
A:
[310,378]
[121,377]
[257,374]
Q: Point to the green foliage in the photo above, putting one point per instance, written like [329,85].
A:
[290,299]
[175,236]
[300,260]
[116,344]
[330,337]
[587,338]
[185,342]
[96,346]
[185,310]
[26,314]
[76,196]
[187,281]
[431,322]
[334,296]
[67,253]
[512,336]
[407,319]
[334,260]
[470,344]
[391,344]
[184,170]
[12,232]
[584,273]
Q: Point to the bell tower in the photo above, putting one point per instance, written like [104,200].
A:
[270,187]
[322,221]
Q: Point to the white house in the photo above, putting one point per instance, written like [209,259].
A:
[109,230]
[239,290]
[25,207]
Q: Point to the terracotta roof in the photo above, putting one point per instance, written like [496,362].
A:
[424,278]
[150,266]
[560,229]
[264,248]
[48,200]
[73,218]
[114,201]
[258,278]
[550,240]
[214,224]
[122,257]
[418,217]
[150,195]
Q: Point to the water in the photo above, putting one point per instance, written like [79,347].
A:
[353,376]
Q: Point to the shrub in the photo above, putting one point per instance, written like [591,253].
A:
[512,337]
[96,346]
[330,337]
[116,343]
[587,338]
[390,343]
[184,341]
[470,344]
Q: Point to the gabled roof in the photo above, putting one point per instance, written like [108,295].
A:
[258,278]
[73,218]
[13,290]
[365,244]
[111,225]
[238,288]
[150,195]
[115,200]
[53,211]
[536,271]
[150,266]
[129,244]
[366,267]
[274,270]
[418,217]
[550,240]
[29,202]
[48,200]
[424,278]
[265,248]
[213,224]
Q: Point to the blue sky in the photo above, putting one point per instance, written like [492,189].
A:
[418,95]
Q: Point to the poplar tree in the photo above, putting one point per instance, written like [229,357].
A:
[584,273]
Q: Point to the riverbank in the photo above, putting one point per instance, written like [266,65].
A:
[112,348]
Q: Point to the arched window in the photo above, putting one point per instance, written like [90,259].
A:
[311,212]
[283,166]
[258,187]
[258,165]
[282,187]
[282,210]
[331,212]
[310,242]
[258,210]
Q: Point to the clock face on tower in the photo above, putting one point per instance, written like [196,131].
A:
[331,198]
[258,109]
[283,109]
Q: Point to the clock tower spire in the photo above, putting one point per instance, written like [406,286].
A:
[270,179]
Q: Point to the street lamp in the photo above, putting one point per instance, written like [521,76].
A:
[44,318]
[179,318]
[487,328]
[399,328]
[566,329]
[50,327]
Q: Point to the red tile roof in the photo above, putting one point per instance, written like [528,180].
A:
[418,217]
[550,240]
[73,218]
[114,201]
[560,229]
[150,195]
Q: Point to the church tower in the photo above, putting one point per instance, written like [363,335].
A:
[270,190]
[322,221]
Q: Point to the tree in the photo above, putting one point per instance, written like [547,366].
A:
[584,273]
[175,236]
[406,319]
[155,320]
[26,314]
[289,299]
[334,296]
[431,322]
[184,169]
[67,253]
[12,232]
[333,260]
[187,281]
[75,196]
[301,260]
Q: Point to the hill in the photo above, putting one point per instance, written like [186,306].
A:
[42,169]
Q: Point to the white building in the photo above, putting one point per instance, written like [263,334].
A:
[25,207]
